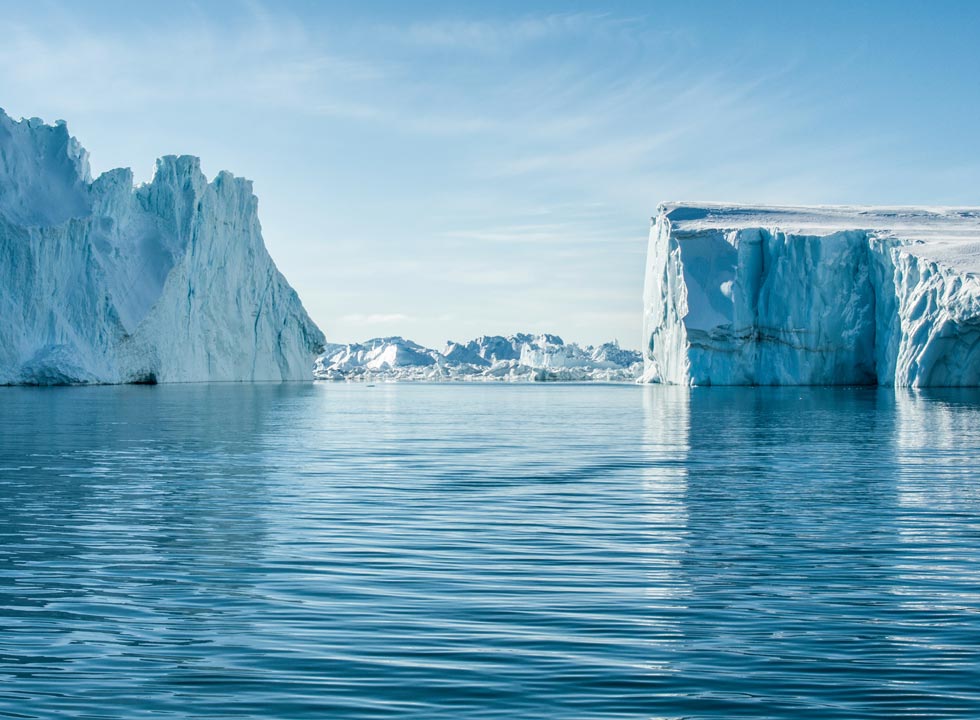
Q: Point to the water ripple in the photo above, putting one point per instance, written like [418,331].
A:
[488,552]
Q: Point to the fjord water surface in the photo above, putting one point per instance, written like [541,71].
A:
[462,551]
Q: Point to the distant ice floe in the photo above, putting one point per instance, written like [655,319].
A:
[489,358]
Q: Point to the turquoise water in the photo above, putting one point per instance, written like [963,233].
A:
[457,551]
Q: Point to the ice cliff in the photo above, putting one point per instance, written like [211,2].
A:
[489,358]
[101,282]
[739,295]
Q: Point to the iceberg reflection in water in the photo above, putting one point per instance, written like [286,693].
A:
[451,551]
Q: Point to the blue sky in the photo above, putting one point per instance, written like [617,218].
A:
[444,170]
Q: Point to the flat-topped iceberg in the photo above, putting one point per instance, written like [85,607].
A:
[489,358]
[101,282]
[739,295]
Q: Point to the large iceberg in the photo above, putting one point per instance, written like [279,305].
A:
[101,282]
[739,295]
[489,358]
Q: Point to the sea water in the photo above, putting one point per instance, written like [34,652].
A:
[474,551]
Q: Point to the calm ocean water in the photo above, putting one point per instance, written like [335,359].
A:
[461,551]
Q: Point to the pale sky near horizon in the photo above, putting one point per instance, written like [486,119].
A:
[444,170]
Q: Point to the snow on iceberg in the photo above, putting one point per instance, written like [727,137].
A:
[101,282]
[489,358]
[739,295]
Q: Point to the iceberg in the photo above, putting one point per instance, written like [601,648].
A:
[104,282]
[378,355]
[740,295]
[490,358]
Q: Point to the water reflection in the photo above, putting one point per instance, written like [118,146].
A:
[785,500]
[800,559]
[666,415]
[938,518]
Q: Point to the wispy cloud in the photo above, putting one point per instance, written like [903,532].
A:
[262,60]
[500,164]
[496,35]
[554,234]
[376,318]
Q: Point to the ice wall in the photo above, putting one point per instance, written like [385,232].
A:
[737,295]
[101,282]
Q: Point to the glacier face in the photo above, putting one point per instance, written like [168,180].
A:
[738,295]
[101,282]
[489,358]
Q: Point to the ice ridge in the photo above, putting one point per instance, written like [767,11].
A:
[489,358]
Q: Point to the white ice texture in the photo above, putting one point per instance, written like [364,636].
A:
[739,295]
[101,282]
[489,358]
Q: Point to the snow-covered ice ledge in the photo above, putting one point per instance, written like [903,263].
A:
[740,295]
